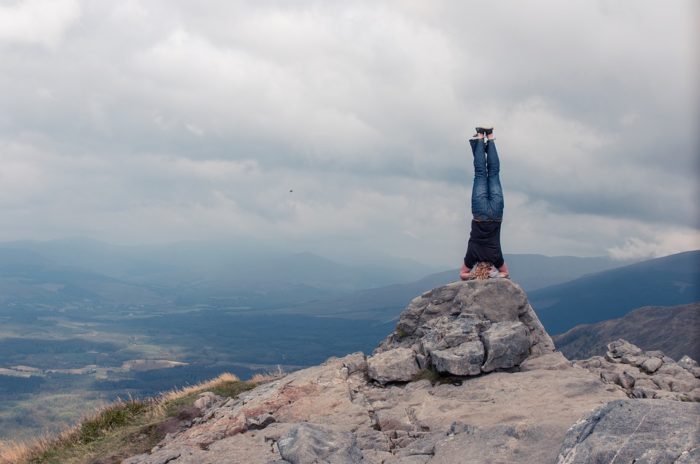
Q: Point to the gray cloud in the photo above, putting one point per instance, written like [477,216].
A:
[166,120]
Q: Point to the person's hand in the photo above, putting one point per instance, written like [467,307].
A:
[464,273]
[504,275]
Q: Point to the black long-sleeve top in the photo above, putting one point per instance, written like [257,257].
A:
[484,244]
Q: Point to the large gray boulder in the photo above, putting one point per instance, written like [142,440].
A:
[507,345]
[463,329]
[639,431]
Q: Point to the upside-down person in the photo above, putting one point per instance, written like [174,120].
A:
[487,207]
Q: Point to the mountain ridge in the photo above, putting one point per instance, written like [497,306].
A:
[670,280]
[671,329]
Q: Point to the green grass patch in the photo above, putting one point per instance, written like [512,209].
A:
[227,389]
[232,389]
[117,415]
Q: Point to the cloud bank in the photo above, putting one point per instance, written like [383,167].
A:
[344,126]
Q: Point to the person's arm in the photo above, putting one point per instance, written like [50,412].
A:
[464,273]
[503,270]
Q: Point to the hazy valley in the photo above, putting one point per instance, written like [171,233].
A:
[85,322]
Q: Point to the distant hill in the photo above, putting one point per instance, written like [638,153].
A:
[385,303]
[28,278]
[671,280]
[92,275]
[533,272]
[675,330]
[212,266]
[234,275]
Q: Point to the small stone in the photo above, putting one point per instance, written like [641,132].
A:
[550,361]
[460,427]
[307,443]
[397,365]
[355,362]
[620,348]
[259,422]
[465,359]
[390,420]
[626,380]
[687,363]
[423,446]
[373,439]
[206,400]
[645,382]
[422,360]
[609,377]
[651,365]
[634,360]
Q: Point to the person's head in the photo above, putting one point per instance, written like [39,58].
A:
[483,270]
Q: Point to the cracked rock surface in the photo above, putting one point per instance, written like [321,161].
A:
[639,431]
[323,414]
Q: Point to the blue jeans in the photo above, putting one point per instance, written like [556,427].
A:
[487,194]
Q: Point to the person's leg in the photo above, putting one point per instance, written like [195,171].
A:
[480,191]
[495,191]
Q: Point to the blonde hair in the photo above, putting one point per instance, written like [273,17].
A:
[482,270]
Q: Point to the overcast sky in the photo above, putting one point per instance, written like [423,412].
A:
[164,120]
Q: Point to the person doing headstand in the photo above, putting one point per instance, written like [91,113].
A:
[487,207]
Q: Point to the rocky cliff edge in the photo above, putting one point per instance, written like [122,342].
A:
[468,376]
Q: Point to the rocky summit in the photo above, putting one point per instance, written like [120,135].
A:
[468,376]
[461,329]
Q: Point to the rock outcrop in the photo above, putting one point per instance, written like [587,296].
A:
[326,414]
[505,396]
[646,374]
[462,329]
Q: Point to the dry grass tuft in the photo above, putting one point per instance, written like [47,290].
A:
[88,430]
[269,376]
[178,393]
[12,453]
[110,431]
